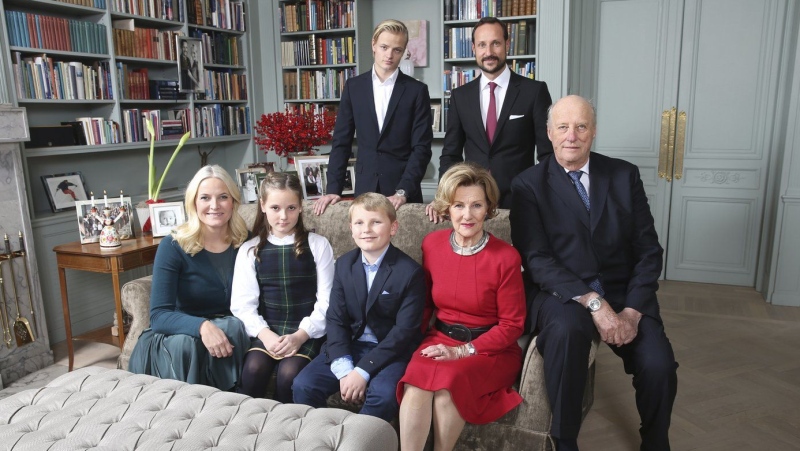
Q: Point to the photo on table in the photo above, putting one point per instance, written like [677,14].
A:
[166,216]
[94,215]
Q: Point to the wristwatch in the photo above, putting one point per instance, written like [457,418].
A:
[471,349]
[400,192]
[594,304]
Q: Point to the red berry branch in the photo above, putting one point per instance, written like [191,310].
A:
[294,131]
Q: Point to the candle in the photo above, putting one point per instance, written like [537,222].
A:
[121,202]
[105,198]
[21,242]
[91,193]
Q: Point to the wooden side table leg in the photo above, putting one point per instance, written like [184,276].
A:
[118,302]
[62,278]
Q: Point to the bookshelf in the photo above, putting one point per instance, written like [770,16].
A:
[125,52]
[459,68]
[322,44]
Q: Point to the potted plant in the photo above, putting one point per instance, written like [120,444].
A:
[153,188]
[294,132]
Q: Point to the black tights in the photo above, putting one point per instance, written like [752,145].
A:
[257,372]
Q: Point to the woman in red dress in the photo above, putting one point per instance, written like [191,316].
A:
[469,359]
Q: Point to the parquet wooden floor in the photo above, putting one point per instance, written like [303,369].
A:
[738,380]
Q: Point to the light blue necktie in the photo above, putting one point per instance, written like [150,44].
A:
[576,180]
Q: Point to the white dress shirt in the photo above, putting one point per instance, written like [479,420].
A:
[501,81]
[245,292]
[382,92]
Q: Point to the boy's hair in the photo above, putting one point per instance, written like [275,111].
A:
[392,26]
[373,202]
[273,182]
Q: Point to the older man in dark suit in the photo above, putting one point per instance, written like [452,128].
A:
[498,119]
[391,112]
[586,235]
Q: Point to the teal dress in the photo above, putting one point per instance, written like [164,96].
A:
[188,290]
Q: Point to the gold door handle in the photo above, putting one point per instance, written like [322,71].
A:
[666,143]
[681,142]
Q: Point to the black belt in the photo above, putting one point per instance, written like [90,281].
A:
[461,332]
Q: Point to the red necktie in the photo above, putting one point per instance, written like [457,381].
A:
[491,115]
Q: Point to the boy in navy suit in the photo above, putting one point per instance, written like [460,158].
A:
[373,320]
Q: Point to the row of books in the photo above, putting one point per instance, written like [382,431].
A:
[458,76]
[521,36]
[313,51]
[224,85]
[324,84]
[41,77]
[220,48]
[157,9]
[169,124]
[146,43]
[165,90]
[221,120]
[226,14]
[475,9]
[525,68]
[100,4]
[316,108]
[95,131]
[314,15]
[55,33]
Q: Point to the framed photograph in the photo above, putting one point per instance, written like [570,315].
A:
[310,169]
[190,65]
[349,177]
[92,218]
[166,216]
[436,115]
[246,178]
[64,189]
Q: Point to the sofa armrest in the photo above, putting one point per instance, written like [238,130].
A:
[136,302]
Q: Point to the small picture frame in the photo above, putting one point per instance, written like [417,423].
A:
[348,189]
[190,65]
[91,218]
[249,183]
[436,114]
[166,216]
[63,190]
[310,171]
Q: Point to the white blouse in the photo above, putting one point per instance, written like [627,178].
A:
[245,292]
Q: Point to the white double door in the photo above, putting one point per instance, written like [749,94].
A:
[716,63]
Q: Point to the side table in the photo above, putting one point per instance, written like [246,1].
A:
[89,257]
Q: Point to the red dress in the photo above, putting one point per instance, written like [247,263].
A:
[477,290]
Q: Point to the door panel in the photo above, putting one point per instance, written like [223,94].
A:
[716,62]
[635,46]
[728,73]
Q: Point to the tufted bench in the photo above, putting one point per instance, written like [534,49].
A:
[115,410]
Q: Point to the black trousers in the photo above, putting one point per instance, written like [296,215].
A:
[566,330]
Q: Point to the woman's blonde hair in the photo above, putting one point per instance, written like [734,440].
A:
[189,235]
[391,26]
[466,174]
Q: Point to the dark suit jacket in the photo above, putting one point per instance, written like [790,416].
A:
[512,150]
[388,160]
[392,309]
[564,247]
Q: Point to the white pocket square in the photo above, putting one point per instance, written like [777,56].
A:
[515,116]
[385,292]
